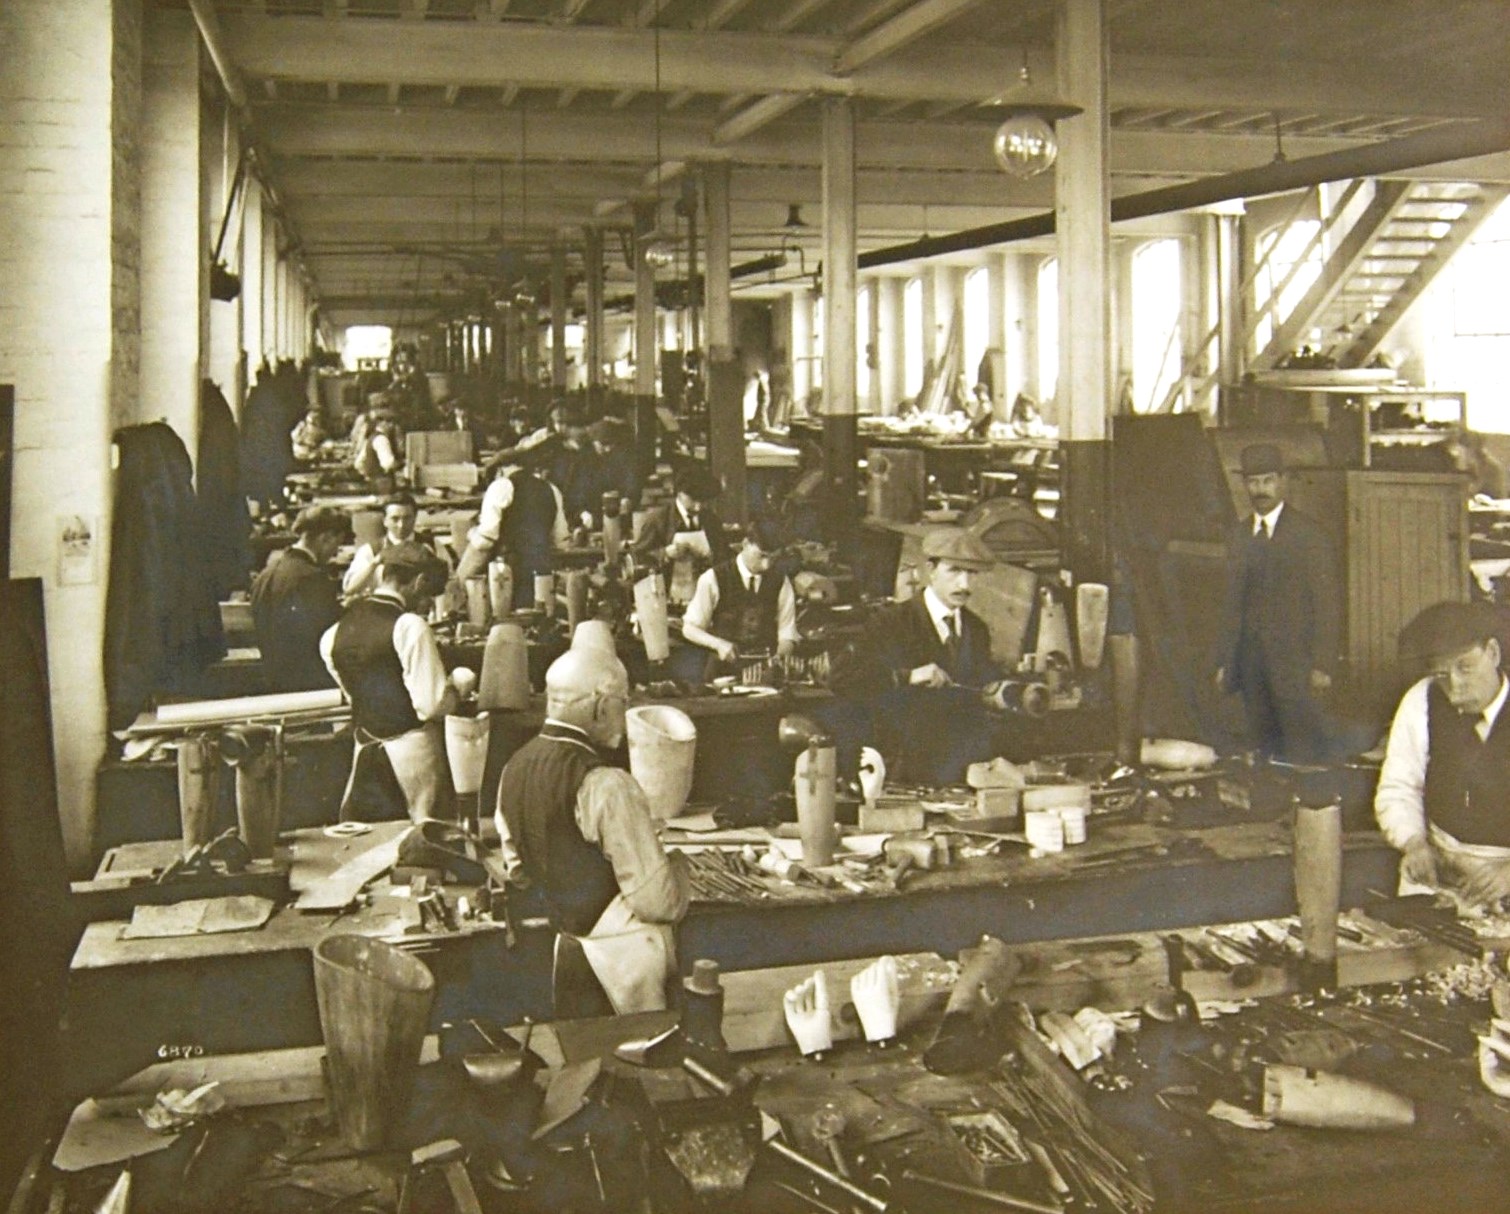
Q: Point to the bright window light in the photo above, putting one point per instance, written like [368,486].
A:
[365,343]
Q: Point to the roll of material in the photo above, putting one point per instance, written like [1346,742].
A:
[1072,817]
[1044,829]
[241,708]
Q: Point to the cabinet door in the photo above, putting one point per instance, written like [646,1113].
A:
[1407,548]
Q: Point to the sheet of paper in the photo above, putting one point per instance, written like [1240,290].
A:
[199,917]
[95,1137]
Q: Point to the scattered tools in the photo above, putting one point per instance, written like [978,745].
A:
[1420,913]
[447,1157]
[988,1196]
[225,853]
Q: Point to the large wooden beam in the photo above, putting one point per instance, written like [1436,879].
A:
[907,26]
[613,58]
[750,120]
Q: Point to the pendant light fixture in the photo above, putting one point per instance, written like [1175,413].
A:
[657,250]
[1025,144]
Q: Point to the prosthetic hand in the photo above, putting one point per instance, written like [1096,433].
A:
[877,998]
[1494,1057]
[806,1006]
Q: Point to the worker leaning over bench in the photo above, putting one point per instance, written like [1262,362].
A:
[384,656]
[1444,792]
[744,606]
[581,833]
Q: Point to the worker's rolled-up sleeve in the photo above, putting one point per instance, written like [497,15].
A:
[1399,802]
[498,497]
[424,672]
[612,812]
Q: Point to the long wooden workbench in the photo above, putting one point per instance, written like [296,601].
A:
[131,999]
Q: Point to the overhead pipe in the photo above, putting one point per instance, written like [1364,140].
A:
[214,41]
[1436,146]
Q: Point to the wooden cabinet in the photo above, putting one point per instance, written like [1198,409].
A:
[1402,541]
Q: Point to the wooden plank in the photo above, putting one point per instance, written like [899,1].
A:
[341,887]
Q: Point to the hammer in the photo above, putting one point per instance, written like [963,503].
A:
[446,1156]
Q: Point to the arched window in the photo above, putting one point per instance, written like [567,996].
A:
[1156,338]
[1048,330]
[977,334]
[912,338]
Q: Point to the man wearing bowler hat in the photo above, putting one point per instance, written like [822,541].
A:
[913,684]
[1444,791]
[1281,617]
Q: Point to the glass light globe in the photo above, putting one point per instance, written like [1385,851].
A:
[659,254]
[1025,145]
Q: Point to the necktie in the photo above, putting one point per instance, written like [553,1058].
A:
[1263,529]
[951,638]
[692,523]
[754,583]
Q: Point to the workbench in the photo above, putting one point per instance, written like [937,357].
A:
[255,990]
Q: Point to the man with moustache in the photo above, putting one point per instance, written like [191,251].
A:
[1281,617]
[1443,799]
[912,683]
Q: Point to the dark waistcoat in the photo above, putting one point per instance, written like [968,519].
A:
[749,620]
[538,792]
[1467,780]
[525,536]
[364,657]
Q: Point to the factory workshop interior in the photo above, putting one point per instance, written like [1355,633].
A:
[641,605]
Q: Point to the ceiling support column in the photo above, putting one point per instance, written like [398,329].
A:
[840,272]
[1082,204]
[726,378]
[592,345]
[645,353]
[558,316]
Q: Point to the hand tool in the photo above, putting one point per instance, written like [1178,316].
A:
[989,1196]
[447,1157]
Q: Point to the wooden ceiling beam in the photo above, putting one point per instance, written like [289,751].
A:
[761,113]
[907,26]
[795,14]
[438,53]
[720,14]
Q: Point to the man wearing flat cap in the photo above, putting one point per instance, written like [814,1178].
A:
[1444,792]
[1281,622]
[294,600]
[385,658]
[912,683]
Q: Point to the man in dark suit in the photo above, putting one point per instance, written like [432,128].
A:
[913,684]
[1281,617]
[687,527]
[295,599]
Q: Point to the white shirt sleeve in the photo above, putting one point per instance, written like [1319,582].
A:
[424,672]
[613,813]
[704,602]
[1399,805]
[382,447]
[496,499]
[786,612]
[327,644]
[360,574]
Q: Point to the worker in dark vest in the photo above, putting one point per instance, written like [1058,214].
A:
[743,608]
[580,832]
[522,520]
[399,515]
[1443,799]
[294,601]
[384,656]
[917,682]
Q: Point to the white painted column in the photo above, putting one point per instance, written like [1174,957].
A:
[802,344]
[558,316]
[220,149]
[1082,203]
[871,345]
[840,277]
[890,342]
[592,344]
[69,336]
[646,354]
[173,276]
[996,331]
[718,299]
[251,279]
[932,342]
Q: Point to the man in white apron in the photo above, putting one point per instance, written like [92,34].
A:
[1444,791]
[581,833]
[384,656]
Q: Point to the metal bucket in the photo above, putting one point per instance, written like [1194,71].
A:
[374,1004]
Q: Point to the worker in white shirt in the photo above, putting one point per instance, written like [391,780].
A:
[399,515]
[386,660]
[1443,799]
[523,521]
[742,608]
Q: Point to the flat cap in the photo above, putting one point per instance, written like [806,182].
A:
[958,547]
[1445,630]
[409,556]
[321,520]
[1258,458]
